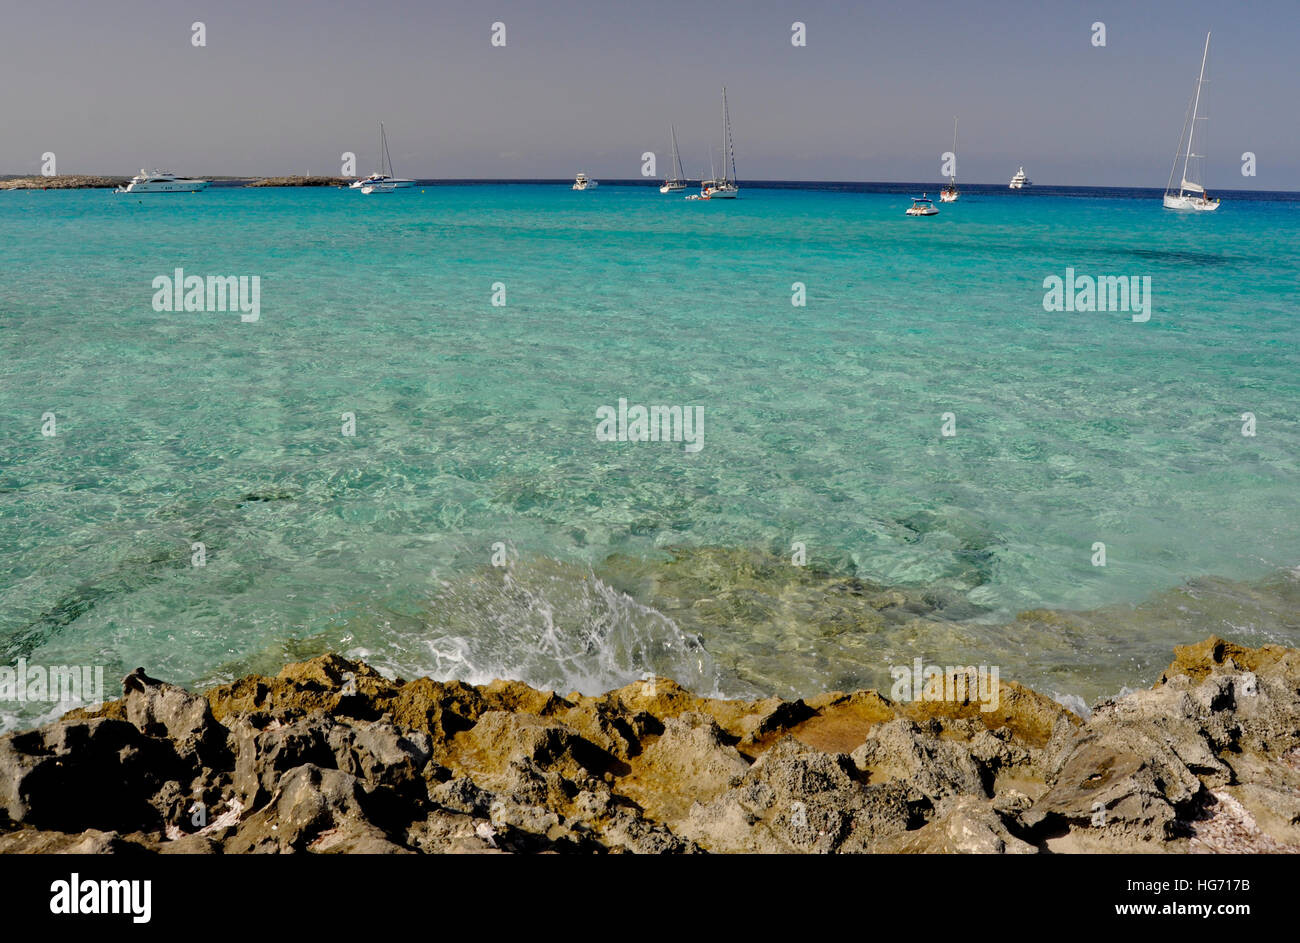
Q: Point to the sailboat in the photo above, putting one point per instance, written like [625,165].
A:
[676,181]
[382,181]
[1190,193]
[950,193]
[724,189]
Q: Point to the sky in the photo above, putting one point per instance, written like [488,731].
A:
[288,86]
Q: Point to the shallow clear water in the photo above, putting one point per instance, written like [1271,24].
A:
[476,425]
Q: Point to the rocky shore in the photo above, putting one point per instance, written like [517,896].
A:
[63,182]
[330,756]
[299,181]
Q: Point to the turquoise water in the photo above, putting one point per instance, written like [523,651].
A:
[475,425]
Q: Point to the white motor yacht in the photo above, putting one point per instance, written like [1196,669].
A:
[160,181]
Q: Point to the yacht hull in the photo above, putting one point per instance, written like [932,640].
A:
[1197,204]
[175,186]
[384,184]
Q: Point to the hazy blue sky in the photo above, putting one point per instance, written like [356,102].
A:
[286,87]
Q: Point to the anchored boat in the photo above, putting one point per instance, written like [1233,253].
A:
[382,181]
[922,206]
[161,181]
[950,193]
[677,181]
[724,188]
[1190,194]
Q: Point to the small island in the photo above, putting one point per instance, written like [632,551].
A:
[301,181]
[63,182]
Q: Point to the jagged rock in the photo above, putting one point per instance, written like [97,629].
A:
[329,756]
[966,826]
[797,798]
[74,775]
[938,768]
[313,809]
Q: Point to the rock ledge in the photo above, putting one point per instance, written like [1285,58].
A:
[330,756]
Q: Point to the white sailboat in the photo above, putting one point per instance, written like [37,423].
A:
[382,181]
[677,181]
[725,188]
[950,193]
[1190,193]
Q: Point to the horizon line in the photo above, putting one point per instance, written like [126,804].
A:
[655,182]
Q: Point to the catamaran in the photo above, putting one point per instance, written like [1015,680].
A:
[160,181]
[950,193]
[725,188]
[677,180]
[1190,194]
[382,181]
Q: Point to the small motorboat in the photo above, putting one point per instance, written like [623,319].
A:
[923,206]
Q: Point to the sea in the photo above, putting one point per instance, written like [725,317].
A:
[422,446]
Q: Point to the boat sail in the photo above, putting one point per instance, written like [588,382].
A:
[382,181]
[677,181]
[950,193]
[1190,194]
[725,188]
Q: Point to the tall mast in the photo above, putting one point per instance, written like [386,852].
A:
[383,136]
[1195,108]
[953,179]
[677,158]
[728,148]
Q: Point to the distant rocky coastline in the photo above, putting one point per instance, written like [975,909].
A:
[87,182]
[300,181]
[330,756]
[63,182]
